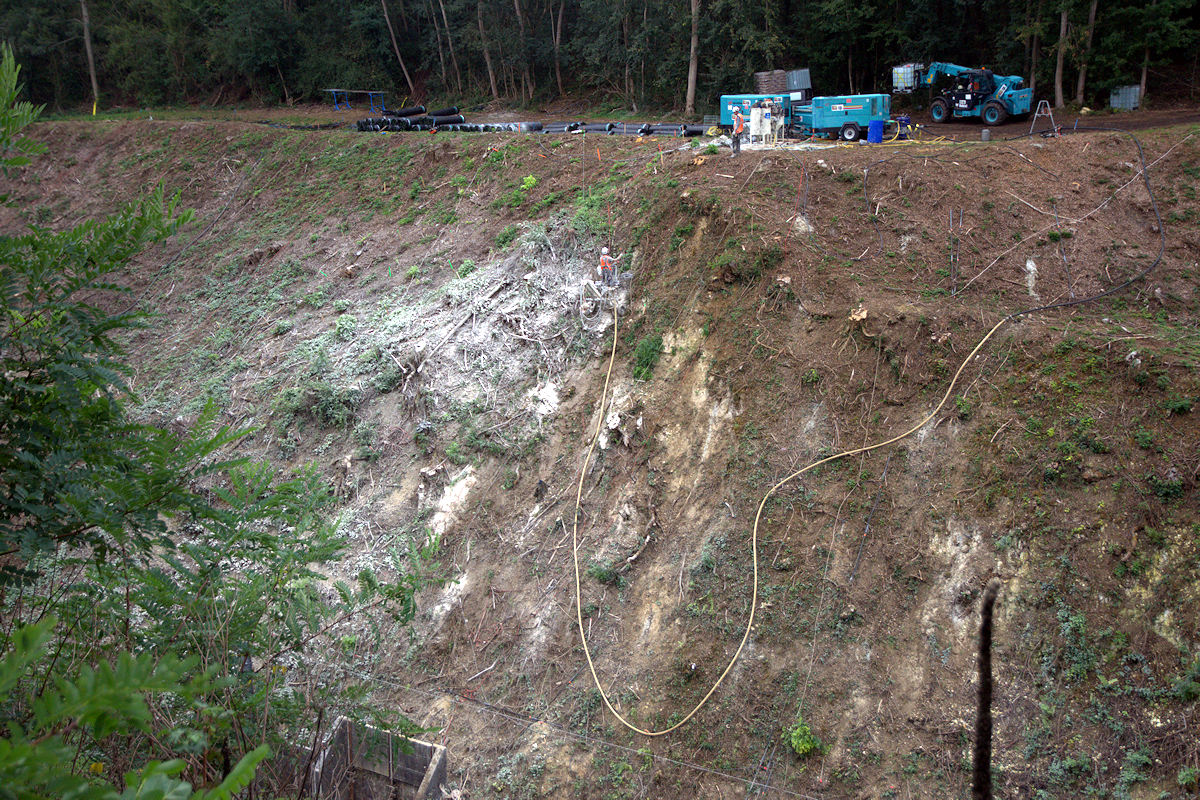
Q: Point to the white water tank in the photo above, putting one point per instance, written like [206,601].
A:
[760,123]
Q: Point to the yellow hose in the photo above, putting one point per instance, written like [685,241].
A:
[754,536]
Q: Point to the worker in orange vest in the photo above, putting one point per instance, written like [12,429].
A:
[739,125]
[608,267]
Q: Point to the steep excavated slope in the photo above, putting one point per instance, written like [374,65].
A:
[795,311]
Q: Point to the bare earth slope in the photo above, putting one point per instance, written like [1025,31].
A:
[784,306]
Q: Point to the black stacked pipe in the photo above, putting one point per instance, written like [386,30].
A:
[667,130]
[439,120]
[408,111]
[414,118]
[392,124]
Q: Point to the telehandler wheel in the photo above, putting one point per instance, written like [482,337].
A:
[850,132]
[939,109]
[994,114]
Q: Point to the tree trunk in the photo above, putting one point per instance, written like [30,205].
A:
[523,52]
[625,54]
[1142,86]
[1087,51]
[556,30]
[693,62]
[645,19]
[1028,32]
[437,34]
[450,46]
[1037,46]
[487,56]
[87,46]
[396,47]
[1061,47]
[286,94]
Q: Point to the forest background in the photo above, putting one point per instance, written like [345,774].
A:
[620,54]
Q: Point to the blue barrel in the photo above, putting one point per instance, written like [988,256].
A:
[875,131]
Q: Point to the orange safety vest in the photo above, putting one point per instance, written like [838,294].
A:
[606,263]
[739,122]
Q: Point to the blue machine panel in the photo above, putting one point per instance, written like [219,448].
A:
[745,101]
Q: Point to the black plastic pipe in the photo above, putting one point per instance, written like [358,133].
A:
[408,111]
[443,112]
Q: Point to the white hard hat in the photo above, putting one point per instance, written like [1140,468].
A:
[603,251]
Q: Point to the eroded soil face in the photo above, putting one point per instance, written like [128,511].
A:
[407,312]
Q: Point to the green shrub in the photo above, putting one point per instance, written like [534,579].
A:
[1187,685]
[364,433]
[963,406]
[606,574]
[465,268]
[454,452]
[507,236]
[334,406]
[1179,405]
[344,327]
[331,406]
[1165,488]
[800,738]
[646,356]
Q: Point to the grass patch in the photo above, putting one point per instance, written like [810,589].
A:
[646,355]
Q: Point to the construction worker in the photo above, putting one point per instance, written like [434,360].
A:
[608,267]
[739,125]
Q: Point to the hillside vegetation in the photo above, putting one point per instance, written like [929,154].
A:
[404,312]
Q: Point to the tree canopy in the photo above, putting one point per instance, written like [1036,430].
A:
[632,53]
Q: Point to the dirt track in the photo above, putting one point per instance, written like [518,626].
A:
[1126,121]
